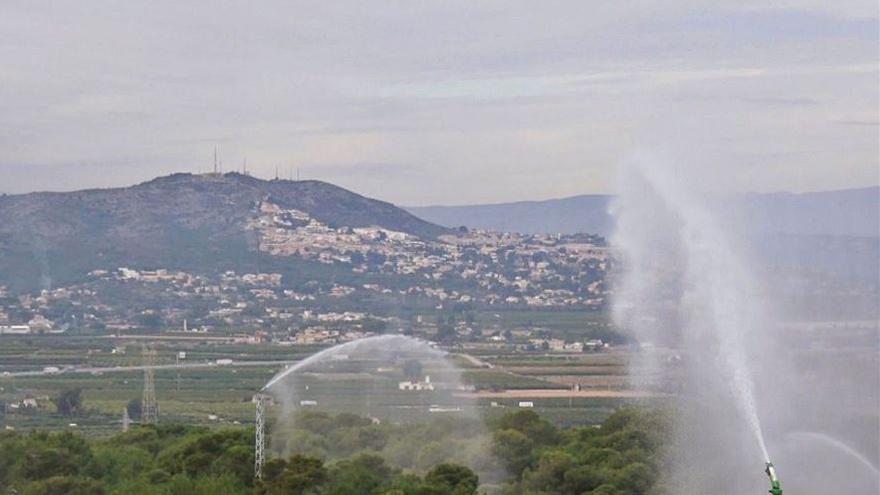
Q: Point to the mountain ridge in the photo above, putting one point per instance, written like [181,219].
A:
[847,212]
[176,221]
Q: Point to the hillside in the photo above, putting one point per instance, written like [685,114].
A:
[183,221]
[851,212]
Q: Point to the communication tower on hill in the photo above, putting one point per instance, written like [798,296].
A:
[149,407]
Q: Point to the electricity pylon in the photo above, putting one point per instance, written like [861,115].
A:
[149,407]
[261,401]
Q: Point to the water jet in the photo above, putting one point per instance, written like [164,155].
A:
[686,288]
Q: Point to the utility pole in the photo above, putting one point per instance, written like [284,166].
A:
[126,420]
[149,407]
[261,401]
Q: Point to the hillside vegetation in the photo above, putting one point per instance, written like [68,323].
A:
[619,457]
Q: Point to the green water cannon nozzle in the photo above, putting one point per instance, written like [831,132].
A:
[775,485]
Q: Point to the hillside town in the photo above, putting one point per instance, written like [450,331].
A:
[376,273]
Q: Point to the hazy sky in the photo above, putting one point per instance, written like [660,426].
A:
[439,102]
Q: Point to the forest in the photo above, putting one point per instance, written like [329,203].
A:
[346,455]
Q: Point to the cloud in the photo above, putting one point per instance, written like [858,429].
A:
[382,171]
[450,102]
[769,25]
[782,101]
[860,123]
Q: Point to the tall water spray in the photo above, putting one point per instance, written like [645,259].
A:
[686,293]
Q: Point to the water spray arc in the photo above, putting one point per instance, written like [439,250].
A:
[384,341]
[382,361]
[839,446]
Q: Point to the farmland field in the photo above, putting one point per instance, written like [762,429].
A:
[216,394]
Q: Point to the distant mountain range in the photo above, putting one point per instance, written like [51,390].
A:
[182,221]
[832,232]
[851,212]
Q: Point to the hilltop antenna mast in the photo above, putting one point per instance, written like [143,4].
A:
[276,172]
[215,160]
[261,401]
[149,407]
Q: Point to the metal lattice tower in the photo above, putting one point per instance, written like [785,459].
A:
[149,407]
[261,401]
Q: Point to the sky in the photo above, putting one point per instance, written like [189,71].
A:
[452,102]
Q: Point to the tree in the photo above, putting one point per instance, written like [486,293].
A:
[69,402]
[514,450]
[57,454]
[634,478]
[364,474]
[299,476]
[236,461]
[607,489]
[149,320]
[135,408]
[454,479]
[529,423]
[582,479]
[68,485]
[549,474]
[446,334]
[41,463]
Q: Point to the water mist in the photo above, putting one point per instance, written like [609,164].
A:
[688,296]
[746,362]
[404,384]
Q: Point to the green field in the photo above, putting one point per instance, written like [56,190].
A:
[222,394]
